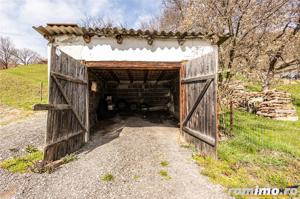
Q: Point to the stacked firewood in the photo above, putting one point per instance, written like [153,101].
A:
[272,104]
[277,105]
[236,94]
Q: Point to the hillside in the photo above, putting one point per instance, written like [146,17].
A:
[21,86]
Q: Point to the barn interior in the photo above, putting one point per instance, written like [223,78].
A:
[128,92]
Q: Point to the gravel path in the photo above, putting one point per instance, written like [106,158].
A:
[16,136]
[131,154]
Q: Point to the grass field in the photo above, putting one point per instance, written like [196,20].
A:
[21,86]
[262,152]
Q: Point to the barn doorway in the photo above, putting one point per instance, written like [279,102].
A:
[148,93]
[80,90]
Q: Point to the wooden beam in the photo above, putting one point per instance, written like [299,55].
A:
[64,138]
[43,107]
[197,78]
[200,97]
[129,75]
[146,73]
[137,65]
[209,140]
[68,78]
[114,76]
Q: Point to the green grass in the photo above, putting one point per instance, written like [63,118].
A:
[262,152]
[249,85]
[136,177]
[164,163]
[69,158]
[31,149]
[164,174]
[21,164]
[20,86]
[107,177]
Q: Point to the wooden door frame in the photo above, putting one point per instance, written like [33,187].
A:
[134,65]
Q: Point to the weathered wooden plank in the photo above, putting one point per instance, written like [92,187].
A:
[201,136]
[68,101]
[68,78]
[200,97]
[63,123]
[43,107]
[64,139]
[197,78]
[202,123]
[133,65]
[87,104]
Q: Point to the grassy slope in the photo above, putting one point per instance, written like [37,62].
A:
[20,86]
[262,152]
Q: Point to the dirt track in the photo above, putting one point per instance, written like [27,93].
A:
[132,155]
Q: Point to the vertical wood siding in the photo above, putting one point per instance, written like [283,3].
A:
[203,120]
[64,132]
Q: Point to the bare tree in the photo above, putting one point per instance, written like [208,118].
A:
[26,56]
[6,51]
[282,48]
[96,22]
[246,26]
[150,24]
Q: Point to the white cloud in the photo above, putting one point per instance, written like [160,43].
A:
[18,16]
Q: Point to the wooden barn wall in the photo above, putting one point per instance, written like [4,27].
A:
[64,133]
[150,93]
[204,117]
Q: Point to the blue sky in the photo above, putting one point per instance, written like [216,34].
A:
[18,16]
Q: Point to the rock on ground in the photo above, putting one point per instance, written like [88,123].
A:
[132,154]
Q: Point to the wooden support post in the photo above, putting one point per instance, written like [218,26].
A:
[146,72]
[231,117]
[87,133]
[129,75]
[41,91]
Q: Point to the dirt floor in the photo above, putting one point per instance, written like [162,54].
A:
[129,148]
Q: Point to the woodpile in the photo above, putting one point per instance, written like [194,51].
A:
[273,104]
[277,105]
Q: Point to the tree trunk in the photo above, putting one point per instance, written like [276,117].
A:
[267,81]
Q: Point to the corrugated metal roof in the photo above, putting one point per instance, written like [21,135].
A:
[51,30]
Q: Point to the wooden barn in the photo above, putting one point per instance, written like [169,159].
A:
[92,71]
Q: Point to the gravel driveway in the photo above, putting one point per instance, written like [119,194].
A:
[16,136]
[132,154]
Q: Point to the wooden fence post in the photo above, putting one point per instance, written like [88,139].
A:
[231,117]
[41,91]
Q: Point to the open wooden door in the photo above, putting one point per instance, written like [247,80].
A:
[67,124]
[199,99]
